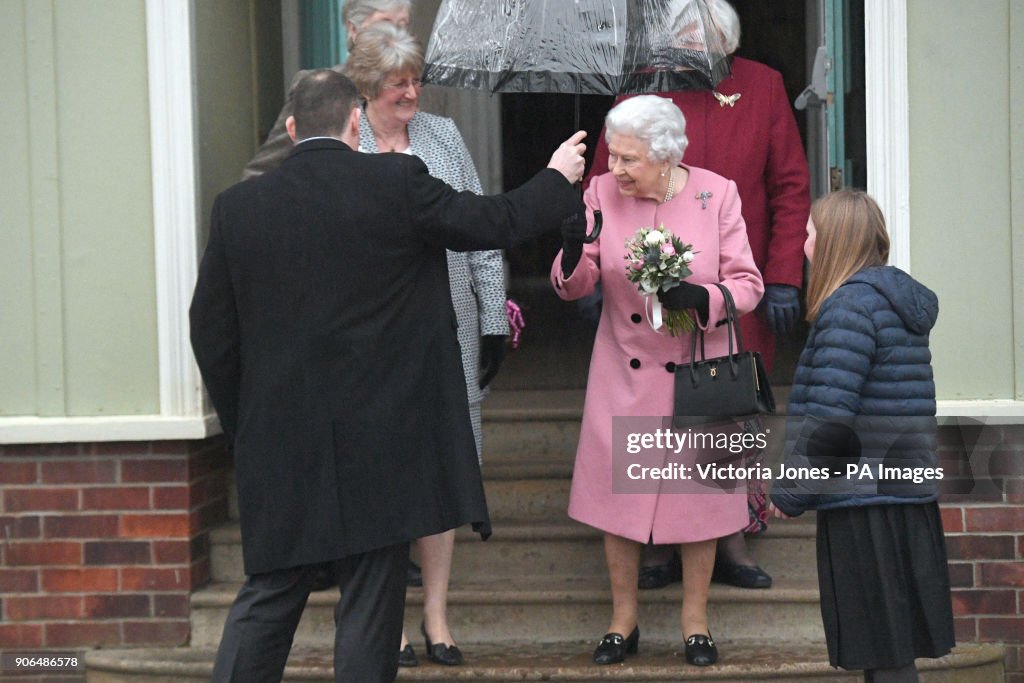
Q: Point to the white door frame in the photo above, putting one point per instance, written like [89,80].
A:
[888,127]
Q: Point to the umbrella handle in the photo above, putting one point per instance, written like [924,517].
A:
[596,232]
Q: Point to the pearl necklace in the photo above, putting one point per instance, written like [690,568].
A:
[671,191]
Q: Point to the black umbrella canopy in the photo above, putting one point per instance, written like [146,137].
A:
[599,47]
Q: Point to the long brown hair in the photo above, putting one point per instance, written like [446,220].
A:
[851,236]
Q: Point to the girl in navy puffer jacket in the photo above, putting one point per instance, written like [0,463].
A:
[862,409]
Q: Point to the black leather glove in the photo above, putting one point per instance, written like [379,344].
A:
[781,307]
[492,352]
[574,231]
[685,296]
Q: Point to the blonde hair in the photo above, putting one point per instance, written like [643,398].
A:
[382,49]
[851,236]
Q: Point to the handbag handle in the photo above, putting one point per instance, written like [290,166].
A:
[732,323]
[732,319]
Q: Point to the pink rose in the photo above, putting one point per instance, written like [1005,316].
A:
[667,248]
[637,265]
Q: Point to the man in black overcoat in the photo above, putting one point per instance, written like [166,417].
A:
[323,327]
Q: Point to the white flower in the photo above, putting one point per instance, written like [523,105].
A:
[654,237]
[648,286]
[688,257]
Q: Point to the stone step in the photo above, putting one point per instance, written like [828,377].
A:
[530,548]
[556,608]
[534,424]
[562,661]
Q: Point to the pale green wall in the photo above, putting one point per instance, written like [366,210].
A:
[960,190]
[17,290]
[1017,182]
[78,317]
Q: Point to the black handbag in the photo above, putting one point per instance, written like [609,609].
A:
[733,386]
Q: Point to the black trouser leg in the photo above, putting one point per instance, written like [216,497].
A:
[261,625]
[368,617]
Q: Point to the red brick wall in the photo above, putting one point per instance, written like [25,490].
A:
[983,516]
[102,543]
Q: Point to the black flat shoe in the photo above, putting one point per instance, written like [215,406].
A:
[701,650]
[740,575]
[407,657]
[414,575]
[613,648]
[441,653]
[661,575]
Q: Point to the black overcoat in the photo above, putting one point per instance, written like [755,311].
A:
[323,326]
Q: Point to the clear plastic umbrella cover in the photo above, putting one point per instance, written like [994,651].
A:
[599,47]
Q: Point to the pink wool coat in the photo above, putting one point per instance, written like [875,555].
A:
[756,143]
[629,373]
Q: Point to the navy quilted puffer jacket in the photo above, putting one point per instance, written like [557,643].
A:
[866,368]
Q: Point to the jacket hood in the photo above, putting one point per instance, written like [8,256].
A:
[914,303]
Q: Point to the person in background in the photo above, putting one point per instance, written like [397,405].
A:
[355,16]
[882,570]
[632,368]
[385,65]
[745,130]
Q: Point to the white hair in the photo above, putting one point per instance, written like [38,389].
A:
[728,22]
[655,120]
[356,12]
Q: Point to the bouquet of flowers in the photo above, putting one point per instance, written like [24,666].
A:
[658,260]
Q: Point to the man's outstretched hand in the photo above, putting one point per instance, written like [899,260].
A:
[568,158]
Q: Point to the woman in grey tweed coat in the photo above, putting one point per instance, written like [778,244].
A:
[385,64]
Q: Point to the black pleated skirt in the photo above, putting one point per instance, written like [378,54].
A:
[884,583]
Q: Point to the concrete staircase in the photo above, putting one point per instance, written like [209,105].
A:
[531,603]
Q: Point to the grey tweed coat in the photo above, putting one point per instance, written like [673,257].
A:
[476,278]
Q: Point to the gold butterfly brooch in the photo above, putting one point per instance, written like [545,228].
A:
[726,99]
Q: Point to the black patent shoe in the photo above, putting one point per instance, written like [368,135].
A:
[740,575]
[661,575]
[449,655]
[414,575]
[613,648]
[407,657]
[701,650]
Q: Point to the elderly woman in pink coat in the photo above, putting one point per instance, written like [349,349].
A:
[631,371]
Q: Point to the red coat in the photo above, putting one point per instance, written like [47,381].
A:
[756,144]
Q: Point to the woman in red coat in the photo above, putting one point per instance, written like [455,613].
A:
[745,130]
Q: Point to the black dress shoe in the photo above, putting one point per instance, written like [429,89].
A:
[414,576]
[661,575]
[441,653]
[407,656]
[740,575]
[701,650]
[613,648]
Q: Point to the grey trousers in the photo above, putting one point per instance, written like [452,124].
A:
[261,624]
